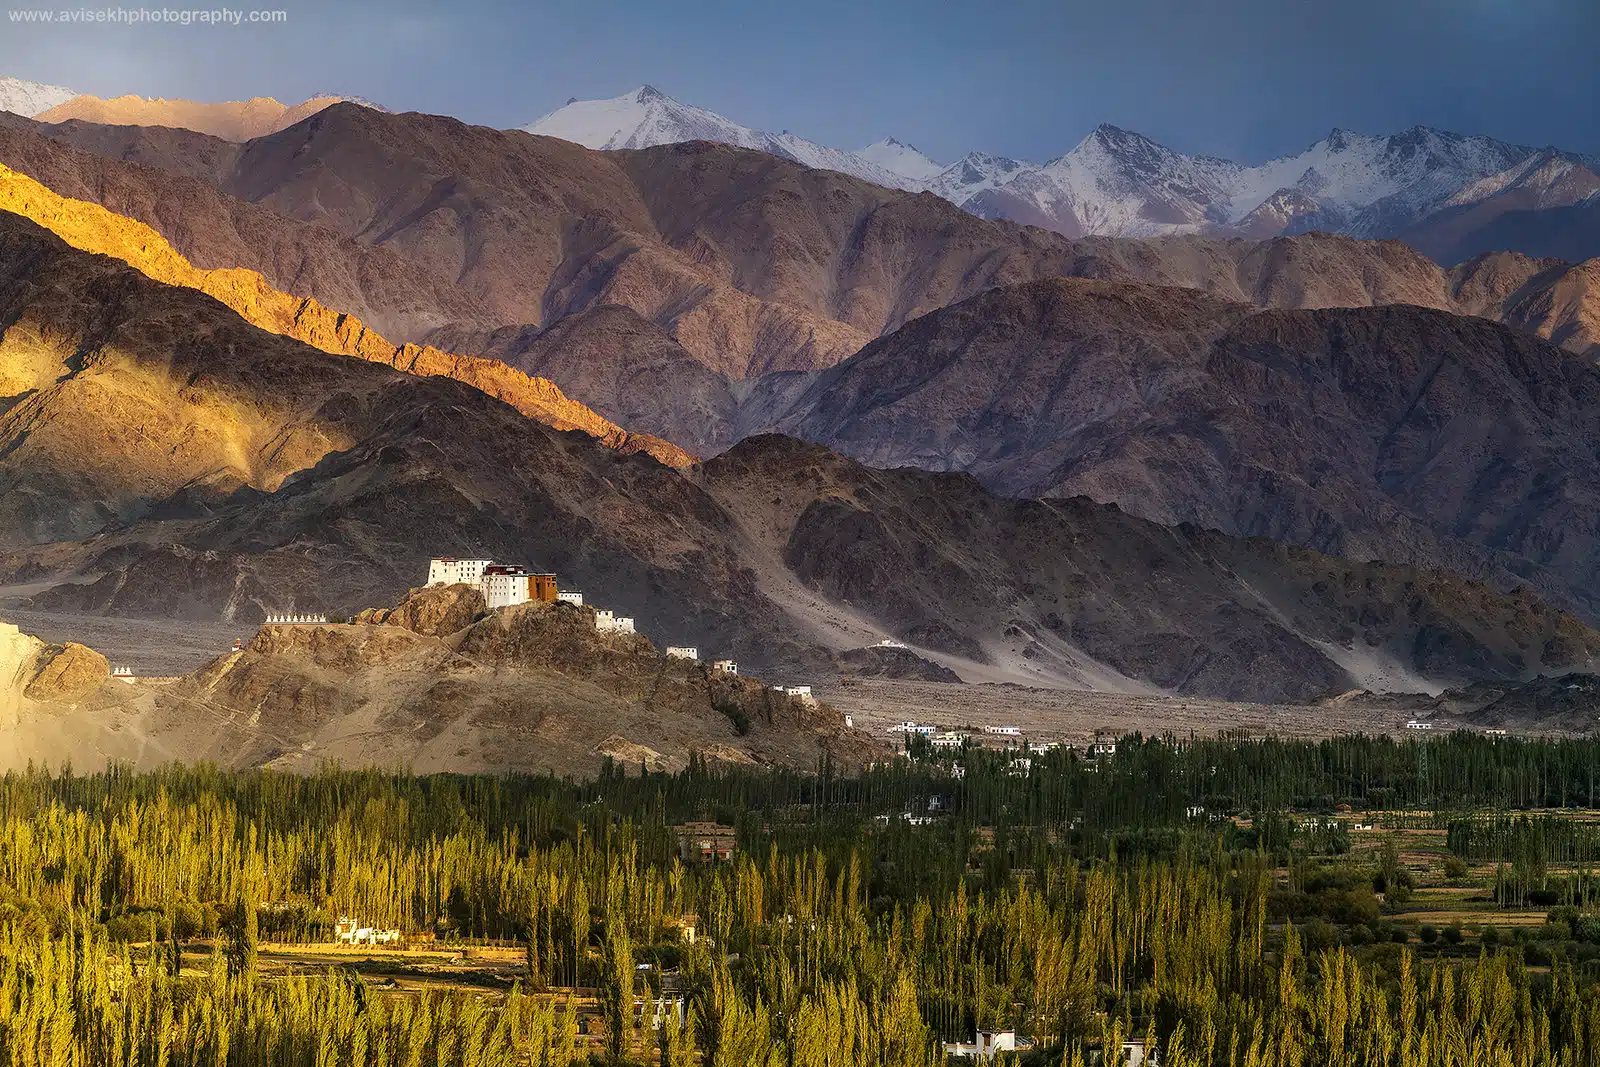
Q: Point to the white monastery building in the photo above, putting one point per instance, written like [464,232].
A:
[724,666]
[609,623]
[506,586]
[683,652]
[570,597]
[447,570]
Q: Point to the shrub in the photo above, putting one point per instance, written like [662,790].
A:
[1319,935]
[1452,934]
[1489,935]
[1428,934]
[1455,868]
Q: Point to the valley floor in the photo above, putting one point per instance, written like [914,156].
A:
[156,648]
[1073,716]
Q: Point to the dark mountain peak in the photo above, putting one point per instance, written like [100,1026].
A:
[648,93]
[1339,138]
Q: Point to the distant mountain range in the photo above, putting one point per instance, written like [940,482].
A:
[1449,195]
[232,120]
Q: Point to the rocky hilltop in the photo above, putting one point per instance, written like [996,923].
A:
[529,688]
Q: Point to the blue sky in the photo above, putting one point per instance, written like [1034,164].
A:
[1025,78]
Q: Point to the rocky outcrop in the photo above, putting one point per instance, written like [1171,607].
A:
[91,228]
[36,672]
[67,672]
[433,611]
[887,662]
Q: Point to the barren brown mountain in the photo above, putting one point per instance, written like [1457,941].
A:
[189,465]
[751,263]
[233,120]
[1396,432]
[92,228]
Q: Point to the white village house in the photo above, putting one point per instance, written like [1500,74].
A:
[683,652]
[724,666]
[985,1044]
[351,932]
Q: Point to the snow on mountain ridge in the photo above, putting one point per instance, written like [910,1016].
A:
[897,157]
[1114,181]
[30,98]
[647,117]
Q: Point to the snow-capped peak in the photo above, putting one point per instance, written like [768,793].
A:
[31,98]
[900,158]
[643,118]
[647,117]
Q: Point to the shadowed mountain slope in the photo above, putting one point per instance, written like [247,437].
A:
[1394,432]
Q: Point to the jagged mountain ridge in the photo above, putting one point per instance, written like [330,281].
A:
[232,120]
[1115,182]
[91,228]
